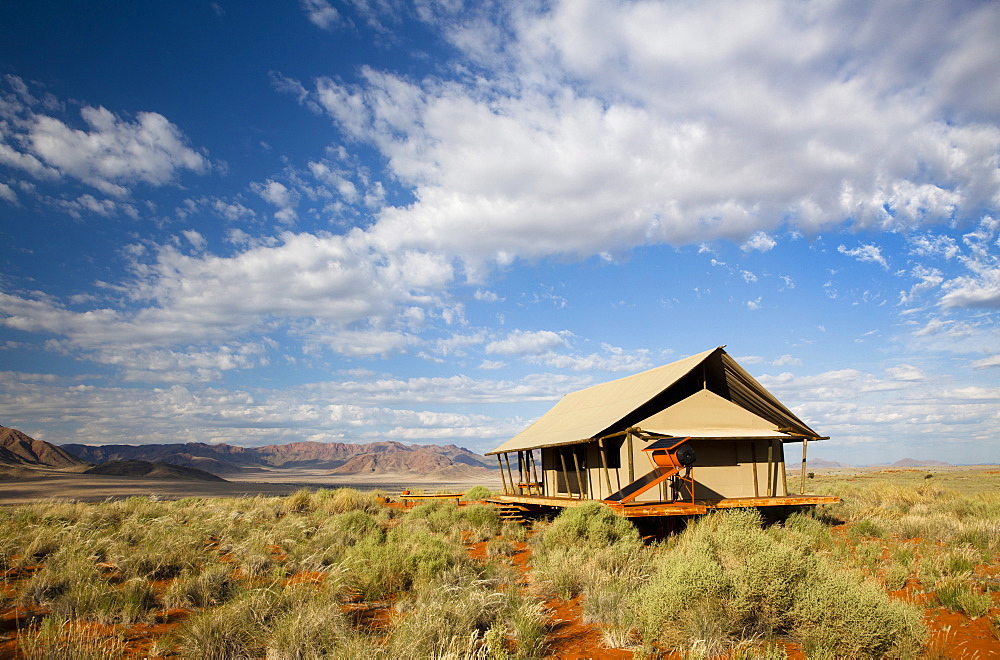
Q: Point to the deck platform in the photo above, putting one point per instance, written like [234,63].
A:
[652,509]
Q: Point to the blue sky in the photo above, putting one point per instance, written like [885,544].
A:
[426,221]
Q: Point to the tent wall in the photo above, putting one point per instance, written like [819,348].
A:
[724,469]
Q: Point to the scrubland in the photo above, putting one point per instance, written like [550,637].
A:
[336,573]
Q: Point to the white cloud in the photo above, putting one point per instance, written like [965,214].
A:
[870,253]
[336,411]
[489,365]
[7,194]
[279,195]
[905,372]
[931,245]
[336,282]
[786,360]
[609,128]
[365,343]
[987,362]
[196,240]
[114,152]
[760,242]
[320,13]
[525,342]
[486,296]
[614,359]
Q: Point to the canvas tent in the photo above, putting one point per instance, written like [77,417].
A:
[591,444]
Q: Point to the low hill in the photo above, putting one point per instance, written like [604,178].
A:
[17,448]
[150,470]
[820,463]
[913,462]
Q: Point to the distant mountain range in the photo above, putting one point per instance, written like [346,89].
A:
[339,458]
[904,463]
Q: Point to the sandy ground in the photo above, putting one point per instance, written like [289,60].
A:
[59,485]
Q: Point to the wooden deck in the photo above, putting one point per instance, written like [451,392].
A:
[650,509]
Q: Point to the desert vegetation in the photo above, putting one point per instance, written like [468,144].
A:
[337,573]
[315,574]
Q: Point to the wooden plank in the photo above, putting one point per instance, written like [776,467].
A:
[651,509]
[753,457]
[641,485]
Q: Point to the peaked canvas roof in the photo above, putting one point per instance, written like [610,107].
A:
[630,401]
[705,414]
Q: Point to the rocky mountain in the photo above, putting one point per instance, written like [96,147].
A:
[17,448]
[339,457]
[152,471]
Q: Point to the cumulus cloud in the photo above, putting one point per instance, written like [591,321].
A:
[114,152]
[609,129]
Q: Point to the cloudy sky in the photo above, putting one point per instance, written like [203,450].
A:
[356,220]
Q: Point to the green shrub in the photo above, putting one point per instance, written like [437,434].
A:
[462,615]
[958,594]
[477,493]
[726,582]
[359,526]
[590,524]
[838,613]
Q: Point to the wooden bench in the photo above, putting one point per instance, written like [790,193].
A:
[410,500]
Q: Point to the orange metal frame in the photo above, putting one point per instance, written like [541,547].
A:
[668,458]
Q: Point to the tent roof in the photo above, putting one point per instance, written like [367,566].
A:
[705,414]
[613,406]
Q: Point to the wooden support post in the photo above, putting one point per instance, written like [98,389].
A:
[502,477]
[631,465]
[604,463]
[536,473]
[802,488]
[513,489]
[562,459]
[770,467]
[784,474]
[753,457]
[520,472]
[576,464]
